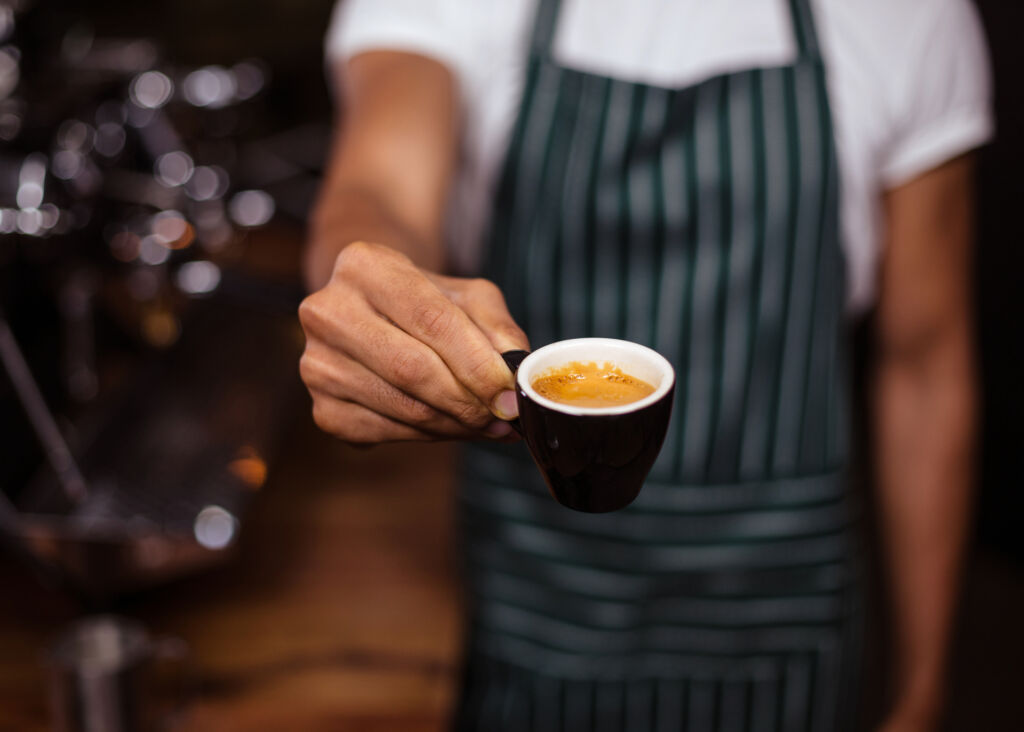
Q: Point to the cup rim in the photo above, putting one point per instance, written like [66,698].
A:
[649,354]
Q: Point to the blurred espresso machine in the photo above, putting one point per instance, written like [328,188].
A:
[146,373]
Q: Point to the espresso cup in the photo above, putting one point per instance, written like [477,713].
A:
[594,459]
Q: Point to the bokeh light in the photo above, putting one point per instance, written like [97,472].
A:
[110,139]
[215,527]
[207,182]
[174,168]
[151,90]
[251,208]
[152,251]
[210,86]
[198,278]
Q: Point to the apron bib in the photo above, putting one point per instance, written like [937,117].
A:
[702,222]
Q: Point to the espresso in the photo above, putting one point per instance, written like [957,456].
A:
[590,385]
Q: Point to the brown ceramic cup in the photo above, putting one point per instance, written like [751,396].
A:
[594,459]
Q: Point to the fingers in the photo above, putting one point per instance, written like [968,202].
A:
[338,376]
[356,424]
[393,356]
[359,425]
[358,356]
[418,307]
[483,302]
[395,353]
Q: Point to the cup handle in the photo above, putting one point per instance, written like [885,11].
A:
[512,360]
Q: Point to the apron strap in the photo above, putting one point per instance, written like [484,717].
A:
[545,22]
[803,29]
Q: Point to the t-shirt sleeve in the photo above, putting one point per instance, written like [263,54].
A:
[427,27]
[942,103]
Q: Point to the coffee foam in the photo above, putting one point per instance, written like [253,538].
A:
[632,358]
[589,384]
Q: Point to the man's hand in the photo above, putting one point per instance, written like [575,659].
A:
[394,352]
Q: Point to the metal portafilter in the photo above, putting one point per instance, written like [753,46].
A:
[102,677]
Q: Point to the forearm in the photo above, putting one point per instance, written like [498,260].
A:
[345,214]
[391,164]
[925,431]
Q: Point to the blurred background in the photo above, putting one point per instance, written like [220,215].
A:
[157,459]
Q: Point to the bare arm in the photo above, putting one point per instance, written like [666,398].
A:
[394,350]
[391,163]
[924,404]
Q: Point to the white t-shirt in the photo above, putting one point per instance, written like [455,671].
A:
[908,81]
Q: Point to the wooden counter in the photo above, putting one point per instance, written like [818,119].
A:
[337,612]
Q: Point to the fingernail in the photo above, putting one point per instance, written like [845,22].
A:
[498,429]
[505,405]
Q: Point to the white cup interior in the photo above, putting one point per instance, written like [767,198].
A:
[640,361]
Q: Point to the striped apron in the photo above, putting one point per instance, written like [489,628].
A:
[702,222]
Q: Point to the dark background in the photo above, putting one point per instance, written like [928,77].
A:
[288,35]
[1000,276]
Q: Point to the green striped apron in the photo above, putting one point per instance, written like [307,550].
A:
[702,222]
